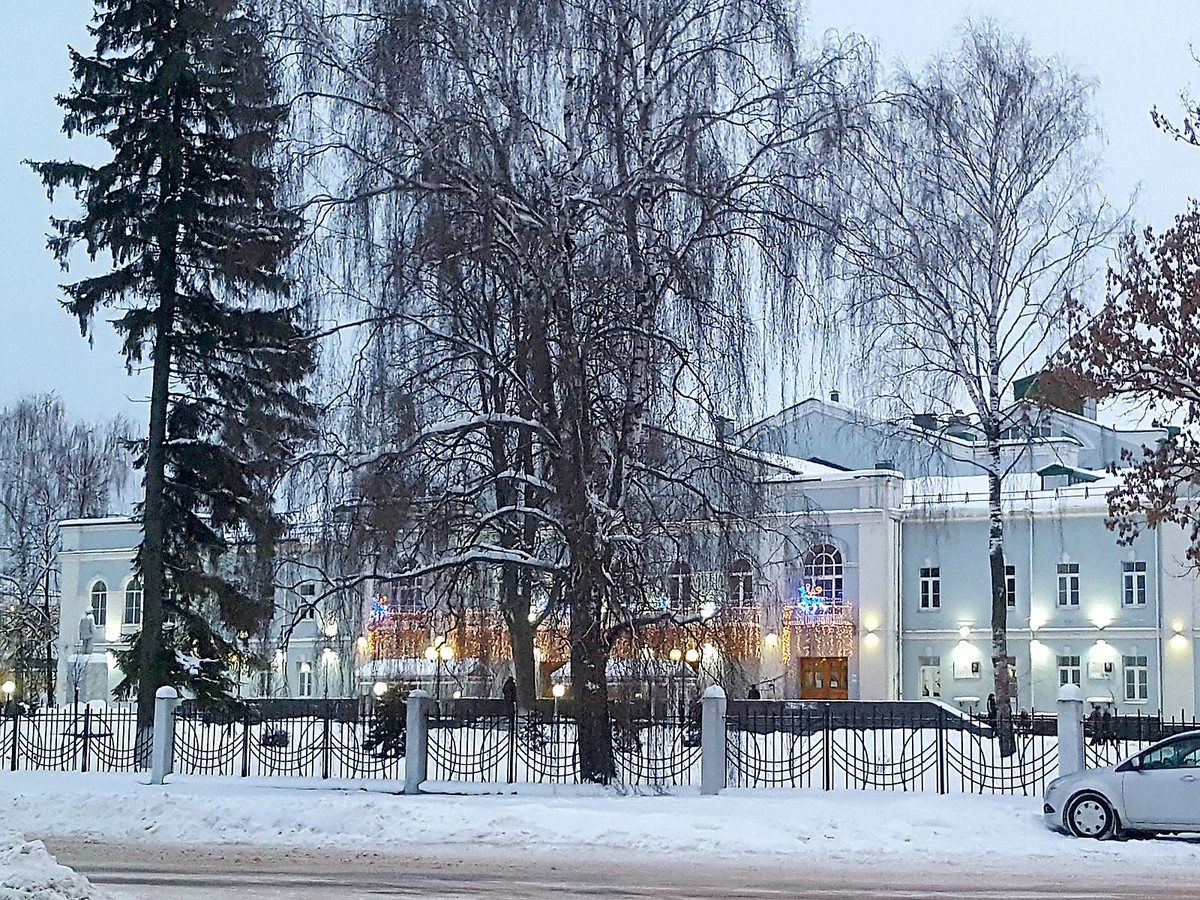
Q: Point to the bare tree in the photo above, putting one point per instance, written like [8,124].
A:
[50,469]
[975,216]
[569,214]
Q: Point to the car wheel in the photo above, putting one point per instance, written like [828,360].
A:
[1089,815]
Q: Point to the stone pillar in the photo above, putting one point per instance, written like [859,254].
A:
[712,740]
[1070,730]
[416,741]
[162,753]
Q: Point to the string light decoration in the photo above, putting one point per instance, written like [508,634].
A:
[819,623]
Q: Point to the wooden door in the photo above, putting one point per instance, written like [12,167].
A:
[824,678]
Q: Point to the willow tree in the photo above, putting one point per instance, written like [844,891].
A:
[184,209]
[568,214]
[975,218]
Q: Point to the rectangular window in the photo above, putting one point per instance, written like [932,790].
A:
[1134,578]
[304,687]
[1068,584]
[931,588]
[1069,671]
[308,608]
[1010,586]
[1137,679]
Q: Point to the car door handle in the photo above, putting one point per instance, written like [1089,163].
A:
[1188,778]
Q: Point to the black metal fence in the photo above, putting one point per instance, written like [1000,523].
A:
[483,741]
[65,739]
[882,746]
[1119,737]
[316,739]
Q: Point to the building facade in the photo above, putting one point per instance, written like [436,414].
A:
[867,579]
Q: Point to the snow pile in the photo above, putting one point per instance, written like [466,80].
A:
[28,872]
[786,827]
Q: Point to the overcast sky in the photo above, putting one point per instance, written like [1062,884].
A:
[1140,54]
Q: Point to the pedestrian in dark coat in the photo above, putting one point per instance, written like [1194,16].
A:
[753,693]
[509,692]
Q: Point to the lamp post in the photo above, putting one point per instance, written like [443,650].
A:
[439,652]
[8,687]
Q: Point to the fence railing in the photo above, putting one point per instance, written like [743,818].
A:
[905,747]
[65,739]
[486,742]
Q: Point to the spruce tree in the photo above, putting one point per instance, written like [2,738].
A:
[184,95]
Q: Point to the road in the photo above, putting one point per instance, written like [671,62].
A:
[215,872]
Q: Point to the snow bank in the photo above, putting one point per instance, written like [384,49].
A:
[28,872]
[785,826]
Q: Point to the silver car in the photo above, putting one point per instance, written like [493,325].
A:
[1156,791]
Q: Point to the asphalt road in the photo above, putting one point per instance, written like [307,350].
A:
[214,873]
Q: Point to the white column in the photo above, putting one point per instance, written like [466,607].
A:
[416,741]
[162,752]
[1070,730]
[712,740]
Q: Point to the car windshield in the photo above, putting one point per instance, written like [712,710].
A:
[1180,754]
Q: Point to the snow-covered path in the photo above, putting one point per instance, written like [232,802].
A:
[957,838]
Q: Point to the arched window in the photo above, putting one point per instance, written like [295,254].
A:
[99,603]
[679,584]
[823,570]
[741,583]
[133,603]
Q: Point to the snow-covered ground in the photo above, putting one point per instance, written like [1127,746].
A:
[28,872]
[794,827]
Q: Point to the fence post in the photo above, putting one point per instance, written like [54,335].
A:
[416,741]
[1070,730]
[712,740]
[163,749]
[16,723]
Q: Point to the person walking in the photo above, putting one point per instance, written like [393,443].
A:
[509,693]
[753,693]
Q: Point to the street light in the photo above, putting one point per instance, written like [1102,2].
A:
[379,688]
[8,687]
[558,690]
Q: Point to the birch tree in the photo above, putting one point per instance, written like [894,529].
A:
[976,217]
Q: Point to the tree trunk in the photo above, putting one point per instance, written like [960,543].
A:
[1000,665]
[520,634]
[589,690]
[153,665]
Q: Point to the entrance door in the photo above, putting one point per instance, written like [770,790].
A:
[824,678]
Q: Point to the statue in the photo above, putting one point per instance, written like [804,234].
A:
[87,633]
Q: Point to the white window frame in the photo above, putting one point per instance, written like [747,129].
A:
[131,615]
[1070,671]
[307,611]
[741,582]
[931,588]
[1068,584]
[305,680]
[824,568]
[99,613]
[1010,586]
[1137,690]
[1133,583]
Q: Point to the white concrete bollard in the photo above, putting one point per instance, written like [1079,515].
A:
[162,752]
[712,740]
[416,741]
[1070,730]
